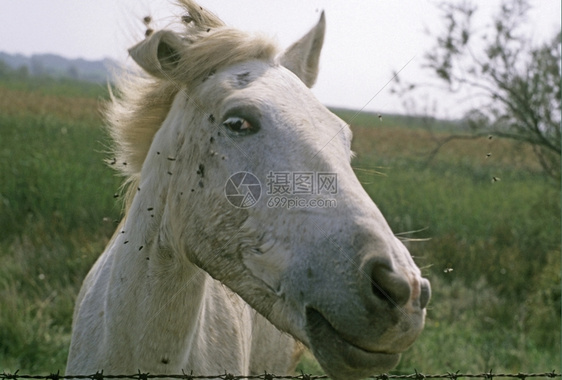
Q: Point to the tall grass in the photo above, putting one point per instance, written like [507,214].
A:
[52,170]
[56,214]
[493,256]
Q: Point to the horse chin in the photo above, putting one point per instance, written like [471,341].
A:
[340,358]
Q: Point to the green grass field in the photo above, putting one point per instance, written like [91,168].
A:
[490,248]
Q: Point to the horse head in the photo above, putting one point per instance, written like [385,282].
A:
[236,118]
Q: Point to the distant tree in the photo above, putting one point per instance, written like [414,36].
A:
[5,70]
[22,72]
[518,84]
[37,66]
[72,72]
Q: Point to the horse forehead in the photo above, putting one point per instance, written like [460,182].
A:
[262,79]
[272,88]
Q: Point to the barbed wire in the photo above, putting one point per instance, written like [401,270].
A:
[269,376]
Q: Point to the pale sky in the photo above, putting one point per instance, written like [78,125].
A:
[366,39]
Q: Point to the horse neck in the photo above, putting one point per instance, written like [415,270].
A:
[165,288]
[168,291]
[158,298]
[157,280]
[160,280]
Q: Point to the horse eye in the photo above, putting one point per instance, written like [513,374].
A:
[238,125]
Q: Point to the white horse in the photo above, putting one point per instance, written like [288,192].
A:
[191,282]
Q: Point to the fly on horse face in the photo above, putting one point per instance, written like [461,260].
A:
[191,282]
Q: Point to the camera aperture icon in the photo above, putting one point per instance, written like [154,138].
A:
[242,190]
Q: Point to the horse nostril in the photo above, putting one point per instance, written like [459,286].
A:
[425,293]
[388,285]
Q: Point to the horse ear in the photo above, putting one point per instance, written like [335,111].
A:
[158,54]
[303,56]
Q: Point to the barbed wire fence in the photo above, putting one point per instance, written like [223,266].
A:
[269,376]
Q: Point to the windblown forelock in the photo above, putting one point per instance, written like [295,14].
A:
[200,17]
[209,45]
[219,48]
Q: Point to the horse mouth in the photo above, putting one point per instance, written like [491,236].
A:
[339,357]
